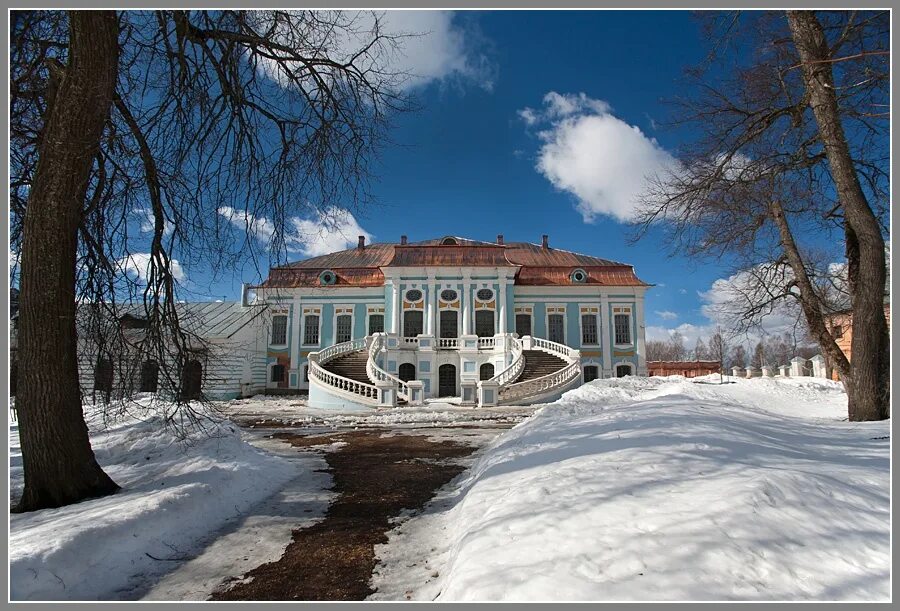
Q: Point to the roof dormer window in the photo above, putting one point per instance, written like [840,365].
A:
[327,277]
[579,276]
[449,241]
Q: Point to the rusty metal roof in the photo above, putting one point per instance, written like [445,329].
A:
[538,265]
[474,255]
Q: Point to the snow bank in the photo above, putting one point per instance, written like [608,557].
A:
[174,495]
[662,489]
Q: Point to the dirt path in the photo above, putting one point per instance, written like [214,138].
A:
[376,477]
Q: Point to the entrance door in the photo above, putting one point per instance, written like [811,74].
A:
[192,380]
[447,381]
[555,332]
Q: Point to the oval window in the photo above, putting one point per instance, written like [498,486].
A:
[328,277]
[414,295]
[448,295]
[484,294]
[579,275]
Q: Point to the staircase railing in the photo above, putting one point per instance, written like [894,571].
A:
[376,373]
[514,369]
[538,386]
[555,348]
[359,390]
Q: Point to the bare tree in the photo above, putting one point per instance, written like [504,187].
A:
[793,149]
[718,350]
[171,117]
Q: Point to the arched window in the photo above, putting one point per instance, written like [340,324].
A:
[449,241]
[591,373]
[486,372]
[406,372]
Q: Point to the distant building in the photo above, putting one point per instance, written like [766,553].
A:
[688,369]
[840,324]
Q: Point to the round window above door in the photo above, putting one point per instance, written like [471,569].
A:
[414,295]
[449,295]
[484,294]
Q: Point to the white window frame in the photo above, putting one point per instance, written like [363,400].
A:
[377,310]
[341,310]
[287,329]
[627,311]
[564,314]
[596,315]
[307,311]
[524,309]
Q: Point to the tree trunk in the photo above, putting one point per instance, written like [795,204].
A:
[59,465]
[868,386]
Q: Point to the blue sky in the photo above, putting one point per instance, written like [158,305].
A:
[473,161]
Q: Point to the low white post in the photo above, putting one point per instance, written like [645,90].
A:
[798,366]
[526,342]
[818,366]
[768,371]
[387,393]
[738,372]
[784,371]
[416,393]
[488,392]
[469,391]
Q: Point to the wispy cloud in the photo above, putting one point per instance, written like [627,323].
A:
[666,314]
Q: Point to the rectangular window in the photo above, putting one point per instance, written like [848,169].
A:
[103,375]
[523,324]
[412,323]
[449,324]
[837,332]
[311,329]
[622,324]
[556,328]
[589,329]
[343,329]
[376,323]
[484,323]
[279,330]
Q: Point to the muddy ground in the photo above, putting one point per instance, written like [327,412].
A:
[376,477]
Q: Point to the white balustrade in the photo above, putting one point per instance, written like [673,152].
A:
[377,374]
[448,343]
[360,390]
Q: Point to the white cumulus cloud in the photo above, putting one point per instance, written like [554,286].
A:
[138,265]
[429,46]
[666,314]
[328,230]
[587,151]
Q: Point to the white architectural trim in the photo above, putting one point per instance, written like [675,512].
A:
[377,309]
[553,308]
[311,311]
[342,309]
[596,314]
[626,309]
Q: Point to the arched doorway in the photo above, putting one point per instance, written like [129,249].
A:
[149,376]
[486,372]
[447,381]
[406,372]
[623,370]
[191,380]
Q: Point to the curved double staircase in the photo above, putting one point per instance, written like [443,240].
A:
[352,371]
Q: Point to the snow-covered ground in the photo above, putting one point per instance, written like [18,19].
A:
[661,489]
[176,497]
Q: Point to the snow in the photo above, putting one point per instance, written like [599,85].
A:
[661,489]
[175,495]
